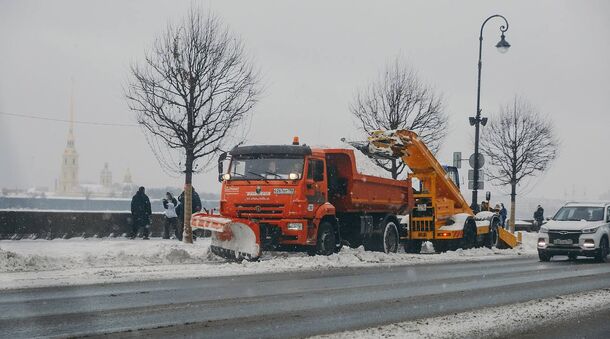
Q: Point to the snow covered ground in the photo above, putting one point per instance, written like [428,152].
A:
[37,263]
[502,321]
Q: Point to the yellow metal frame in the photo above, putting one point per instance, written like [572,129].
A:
[446,198]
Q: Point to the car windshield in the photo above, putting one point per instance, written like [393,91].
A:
[267,167]
[575,213]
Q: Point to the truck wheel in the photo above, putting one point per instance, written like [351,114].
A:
[413,246]
[543,256]
[469,239]
[390,237]
[602,252]
[441,246]
[326,243]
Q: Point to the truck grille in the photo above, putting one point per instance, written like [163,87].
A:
[422,224]
[267,211]
[564,236]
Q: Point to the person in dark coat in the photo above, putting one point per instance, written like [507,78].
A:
[539,216]
[503,215]
[195,207]
[195,200]
[171,218]
[140,213]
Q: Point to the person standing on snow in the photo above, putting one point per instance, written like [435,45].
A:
[140,213]
[171,218]
[503,215]
[539,217]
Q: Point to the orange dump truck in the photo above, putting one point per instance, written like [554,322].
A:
[287,197]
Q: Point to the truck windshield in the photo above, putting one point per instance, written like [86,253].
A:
[267,167]
[576,213]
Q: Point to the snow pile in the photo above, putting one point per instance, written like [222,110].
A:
[39,255]
[350,257]
[502,321]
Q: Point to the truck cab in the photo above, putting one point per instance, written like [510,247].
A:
[280,187]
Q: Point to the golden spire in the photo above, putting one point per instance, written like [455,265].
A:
[71,130]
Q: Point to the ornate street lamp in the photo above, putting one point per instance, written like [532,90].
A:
[476,121]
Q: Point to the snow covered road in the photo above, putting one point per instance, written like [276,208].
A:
[292,304]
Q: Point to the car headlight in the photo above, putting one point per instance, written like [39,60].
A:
[544,230]
[295,226]
[590,230]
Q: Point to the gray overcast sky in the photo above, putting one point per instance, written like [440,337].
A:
[313,55]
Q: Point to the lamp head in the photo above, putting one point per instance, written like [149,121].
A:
[503,45]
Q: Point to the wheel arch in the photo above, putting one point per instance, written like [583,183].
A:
[391,217]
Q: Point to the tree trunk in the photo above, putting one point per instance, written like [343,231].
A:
[187,235]
[394,169]
[513,198]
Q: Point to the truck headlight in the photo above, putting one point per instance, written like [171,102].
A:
[590,230]
[226,176]
[544,230]
[295,226]
[293,176]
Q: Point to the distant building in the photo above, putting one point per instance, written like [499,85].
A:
[68,183]
[68,180]
[127,178]
[106,177]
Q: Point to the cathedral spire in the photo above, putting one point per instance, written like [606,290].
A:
[71,129]
[68,180]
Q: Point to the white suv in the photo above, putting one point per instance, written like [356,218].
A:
[576,229]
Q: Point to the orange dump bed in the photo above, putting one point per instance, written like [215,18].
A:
[351,191]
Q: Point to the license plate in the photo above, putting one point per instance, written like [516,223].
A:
[563,242]
[421,207]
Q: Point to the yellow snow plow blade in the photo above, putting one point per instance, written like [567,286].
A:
[235,239]
[508,238]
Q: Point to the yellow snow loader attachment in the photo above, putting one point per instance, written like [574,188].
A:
[440,213]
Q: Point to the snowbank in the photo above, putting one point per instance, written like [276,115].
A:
[29,263]
[502,321]
[39,255]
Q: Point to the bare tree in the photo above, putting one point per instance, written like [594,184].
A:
[399,100]
[192,93]
[519,143]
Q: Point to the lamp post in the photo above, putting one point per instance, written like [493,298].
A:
[477,120]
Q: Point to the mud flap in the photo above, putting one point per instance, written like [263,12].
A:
[235,239]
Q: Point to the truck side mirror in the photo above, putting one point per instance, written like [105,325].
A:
[488,196]
[221,158]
